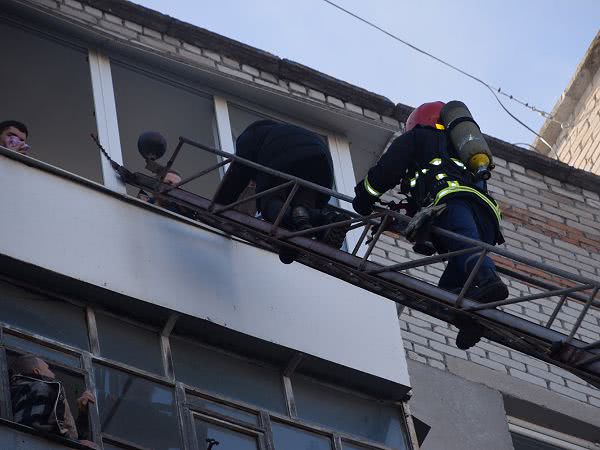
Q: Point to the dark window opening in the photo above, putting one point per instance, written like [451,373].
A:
[51,93]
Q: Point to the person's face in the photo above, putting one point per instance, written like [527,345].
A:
[43,369]
[171,178]
[14,139]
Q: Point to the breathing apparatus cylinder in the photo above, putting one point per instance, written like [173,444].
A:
[466,137]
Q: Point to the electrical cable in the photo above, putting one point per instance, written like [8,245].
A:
[491,88]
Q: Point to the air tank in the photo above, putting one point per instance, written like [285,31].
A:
[467,139]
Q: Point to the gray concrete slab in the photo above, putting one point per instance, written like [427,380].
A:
[463,415]
[533,403]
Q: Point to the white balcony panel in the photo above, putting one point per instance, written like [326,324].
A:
[87,233]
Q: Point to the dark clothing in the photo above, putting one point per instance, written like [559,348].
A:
[41,403]
[431,171]
[286,148]
[468,219]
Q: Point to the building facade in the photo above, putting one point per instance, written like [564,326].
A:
[573,131]
[169,322]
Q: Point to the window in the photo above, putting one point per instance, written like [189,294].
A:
[528,436]
[236,401]
[219,409]
[349,413]
[526,443]
[73,383]
[136,409]
[149,102]
[128,343]
[42,314]
[51,92]
[228,436]
[349,446]
[223,374]
[46,353]
[292,438]
[240,118]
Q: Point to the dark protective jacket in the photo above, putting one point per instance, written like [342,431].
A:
[286,148]
[431,172]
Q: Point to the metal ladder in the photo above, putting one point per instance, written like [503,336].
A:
[542,341]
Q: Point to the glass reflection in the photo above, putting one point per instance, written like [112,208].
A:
[136,410]
[223,438]
[290,438]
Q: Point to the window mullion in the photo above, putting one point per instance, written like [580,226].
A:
[223,128]
[106,118]
[5,403]
[90,383]
[265,422]
[186,421]
[344,181]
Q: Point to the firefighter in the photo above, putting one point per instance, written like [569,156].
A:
[294,151]
[440,184]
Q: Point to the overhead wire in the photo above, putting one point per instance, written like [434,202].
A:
[494,90]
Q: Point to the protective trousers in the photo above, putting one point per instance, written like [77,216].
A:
[471,219]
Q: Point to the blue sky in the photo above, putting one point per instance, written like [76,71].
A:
[530,48]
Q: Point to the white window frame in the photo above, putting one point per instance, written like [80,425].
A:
[106,118]
[108,134]
[548,436]
[339,147]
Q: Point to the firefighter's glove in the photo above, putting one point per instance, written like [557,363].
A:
[423,218]
[363,201]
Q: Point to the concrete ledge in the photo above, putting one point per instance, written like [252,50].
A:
[533,403]
[463,415]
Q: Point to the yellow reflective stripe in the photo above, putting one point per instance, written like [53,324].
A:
[413,182]
[457,188]
[370,190]
[439,176]
[424,171]
[439,126]
[435,161]
[458,162]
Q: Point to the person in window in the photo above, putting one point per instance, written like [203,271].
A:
[171,178]
[294,151]
[13,135]
[39,401]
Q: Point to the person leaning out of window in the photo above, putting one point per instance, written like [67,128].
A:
[13,135]
[39,401]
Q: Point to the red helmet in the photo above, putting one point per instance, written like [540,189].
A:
[428,115]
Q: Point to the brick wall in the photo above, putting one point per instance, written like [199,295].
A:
[544,218]
[579,143]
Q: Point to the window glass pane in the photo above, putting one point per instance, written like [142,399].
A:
[224,410]
[521,442]
[227,438]
[48,317]
[223,374]
[349,446]
[136,410]
[240,118]
[125,342]
[348,413]
[146,102]
[40,350]
[290,438]
[108,446]
[59,112]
